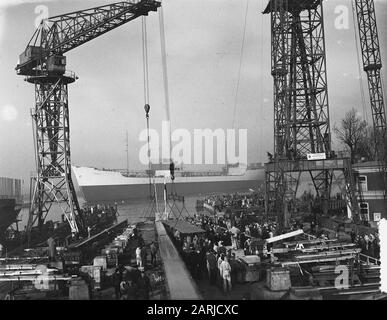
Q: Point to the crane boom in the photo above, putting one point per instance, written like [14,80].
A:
[60,34]
[372,63]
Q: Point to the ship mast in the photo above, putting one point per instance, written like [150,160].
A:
[226,155]
[127,152]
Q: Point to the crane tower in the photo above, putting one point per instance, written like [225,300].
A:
[302,138]
[43,64]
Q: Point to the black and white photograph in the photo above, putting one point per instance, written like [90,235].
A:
[217,152]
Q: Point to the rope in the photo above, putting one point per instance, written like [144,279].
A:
[359,64]
[165,76]
[240,65]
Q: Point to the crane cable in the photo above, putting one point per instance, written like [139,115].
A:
[240,65]
[359,63]
[146,94]
[165,77]
[145,59]
[261,111]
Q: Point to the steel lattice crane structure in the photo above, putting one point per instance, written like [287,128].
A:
[300,83]
[44,65]
[372,63]
[301,107]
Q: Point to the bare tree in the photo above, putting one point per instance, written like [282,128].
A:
[354,134]
[367,147]
[377,145]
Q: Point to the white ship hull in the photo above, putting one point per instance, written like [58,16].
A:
[99,185]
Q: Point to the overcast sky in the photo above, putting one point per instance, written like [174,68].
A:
[203,39]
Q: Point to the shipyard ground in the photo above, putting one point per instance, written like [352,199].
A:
[156,273]
[175,282]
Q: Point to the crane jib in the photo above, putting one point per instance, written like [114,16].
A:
[60,34]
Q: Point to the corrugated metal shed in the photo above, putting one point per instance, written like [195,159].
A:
[10,188]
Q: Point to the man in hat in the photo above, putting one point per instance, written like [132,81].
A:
[247,247]
[225,271]
[234,240]
[51,248]
[139,257]
[219,274]
[153,251]
[144,256]
[117,279]
[131,290]
[211,266]
[144,286]
[215,248]
[221,249]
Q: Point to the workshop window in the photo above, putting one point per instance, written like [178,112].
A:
[365,211]
[363,183]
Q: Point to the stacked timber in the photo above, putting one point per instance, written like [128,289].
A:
[320,257]
[326,275]
[370,273]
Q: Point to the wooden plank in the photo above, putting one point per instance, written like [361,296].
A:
[329,253]
[77,245]
[289,263]
[314,241]
[284,236]
[22,258]
[34,278]
[312,249]
[328,247]
[17,267]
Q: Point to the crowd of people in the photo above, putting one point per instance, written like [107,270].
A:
[98,214]
[210,254]
[242,201]
[133,283]
[369,244]
[207,253]
[208,259]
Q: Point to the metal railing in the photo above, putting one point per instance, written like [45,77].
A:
[369,260]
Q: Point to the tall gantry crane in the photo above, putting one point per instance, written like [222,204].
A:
[372,63]
[44,65]
[301,106]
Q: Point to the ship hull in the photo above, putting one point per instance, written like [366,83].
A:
[141,191]
[99,185]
